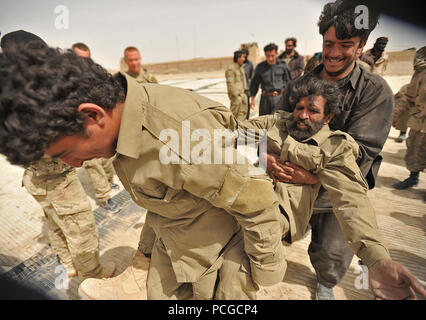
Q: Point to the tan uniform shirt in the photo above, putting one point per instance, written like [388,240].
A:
[235,81]
[331,155]
[195,209]
[144,76]
[236,84]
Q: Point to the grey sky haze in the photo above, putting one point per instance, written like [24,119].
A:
[167,30]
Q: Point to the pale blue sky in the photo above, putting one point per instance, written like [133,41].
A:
[167,30]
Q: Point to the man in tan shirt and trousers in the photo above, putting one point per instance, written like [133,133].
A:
[237,87]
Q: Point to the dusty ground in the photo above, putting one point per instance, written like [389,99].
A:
[24,250]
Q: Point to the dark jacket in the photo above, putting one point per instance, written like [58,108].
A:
[248,69]
[270,77]
[296,64]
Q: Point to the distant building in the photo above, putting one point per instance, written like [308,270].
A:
[254,52]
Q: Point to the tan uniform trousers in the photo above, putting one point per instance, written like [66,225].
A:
[71,225]
[228,278]
[101,173]
[239,107]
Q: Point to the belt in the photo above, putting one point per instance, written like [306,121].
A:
[272,93]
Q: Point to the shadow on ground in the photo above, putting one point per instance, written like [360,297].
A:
[301,275]
[417,222]
[396,158]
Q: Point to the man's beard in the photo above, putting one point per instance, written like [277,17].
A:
[300,135]
[344,68]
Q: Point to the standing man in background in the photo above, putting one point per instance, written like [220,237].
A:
[376,57]
[273,75]
[237,87]
[294,60]
[415,157]
[248,69]
[133,60]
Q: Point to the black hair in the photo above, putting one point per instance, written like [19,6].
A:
[311,87]
[238,54]
[294,40]
[382,39]
[40,91]
[270,47]
[342,15]
[20,37]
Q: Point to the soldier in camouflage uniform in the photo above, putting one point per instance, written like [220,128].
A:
[101,174]
[415,157]
[133,60]
[237,87]
[71,225]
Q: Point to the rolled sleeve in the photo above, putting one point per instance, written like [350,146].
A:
[370,255]
[309,157]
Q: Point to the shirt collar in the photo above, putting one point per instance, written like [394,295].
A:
[320,137]
[130,133]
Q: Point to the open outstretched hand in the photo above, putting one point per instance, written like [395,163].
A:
[390,280]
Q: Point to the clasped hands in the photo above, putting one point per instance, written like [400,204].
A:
[287,172]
